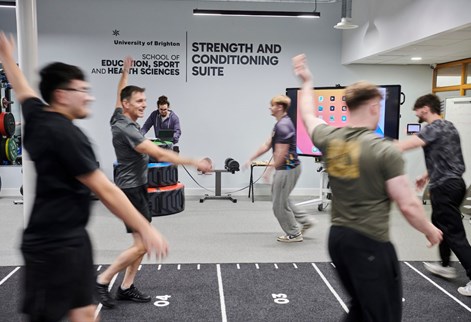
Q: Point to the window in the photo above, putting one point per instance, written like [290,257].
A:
[453,77]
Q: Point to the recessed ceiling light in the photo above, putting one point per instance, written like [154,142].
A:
[416,58]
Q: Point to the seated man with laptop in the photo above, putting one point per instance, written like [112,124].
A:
[165,122]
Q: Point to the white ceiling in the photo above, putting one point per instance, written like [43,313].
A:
[445,47]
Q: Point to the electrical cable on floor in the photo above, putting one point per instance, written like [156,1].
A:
[227,193]
[195,180]
[241,189]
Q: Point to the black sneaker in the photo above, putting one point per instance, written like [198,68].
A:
[131,294]
[104,296]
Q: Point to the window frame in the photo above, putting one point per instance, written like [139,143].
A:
[462,87]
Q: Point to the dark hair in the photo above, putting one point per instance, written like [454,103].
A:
[163,100]
[127,92]
[360,92]
[430,100]
[57,75]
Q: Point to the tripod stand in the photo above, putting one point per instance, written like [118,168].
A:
[325,194]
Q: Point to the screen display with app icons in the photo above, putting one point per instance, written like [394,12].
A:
[330,106]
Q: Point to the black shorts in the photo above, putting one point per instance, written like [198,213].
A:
[140,200]
[58,280]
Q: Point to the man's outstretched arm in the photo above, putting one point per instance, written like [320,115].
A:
[164,155]
[15,76]
[411,208]
[123,80]
[117,202]
[410,143]
[306,103]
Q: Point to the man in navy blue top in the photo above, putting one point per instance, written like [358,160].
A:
[282,141]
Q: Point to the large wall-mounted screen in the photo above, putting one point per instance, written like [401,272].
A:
[329,102]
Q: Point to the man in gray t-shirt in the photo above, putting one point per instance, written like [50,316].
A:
[126,136]
[132,151]
[445,166]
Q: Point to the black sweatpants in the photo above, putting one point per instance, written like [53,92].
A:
[370,272]
[446,215]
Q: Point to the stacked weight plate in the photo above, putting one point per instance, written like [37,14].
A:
[8,145]
[166,194]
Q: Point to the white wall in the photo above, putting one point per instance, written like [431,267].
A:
[223,116]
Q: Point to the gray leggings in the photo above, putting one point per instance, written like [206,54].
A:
[290,217]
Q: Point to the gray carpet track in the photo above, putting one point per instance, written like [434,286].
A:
[257,292]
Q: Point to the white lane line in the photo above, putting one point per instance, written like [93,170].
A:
[276,266]
[98,268]
[98,308]
[256,266]
[221,294]
[9,275]
[139,268]
[198,267]
[238,266]
[439,287]
[295,266]
[178,267]
[333,265]
[159,267]
[330,288]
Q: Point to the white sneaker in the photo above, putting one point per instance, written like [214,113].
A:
[290,238]
[445,272]
[465,290]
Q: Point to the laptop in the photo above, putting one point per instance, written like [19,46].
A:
[165,135]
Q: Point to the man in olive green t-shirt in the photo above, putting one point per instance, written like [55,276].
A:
[366,173]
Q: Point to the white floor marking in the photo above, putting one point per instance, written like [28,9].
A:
[221,294]
[295,266]
[159,267]
[178,267]
[9,275]
[198,266]
[98,308]
[139,268]
[238,266]
[439,287]
[276,266]
[333,265]
[330,288]
[256,265]
[98,268]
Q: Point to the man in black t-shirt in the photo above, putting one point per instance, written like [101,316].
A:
[441,143]
[59,277]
